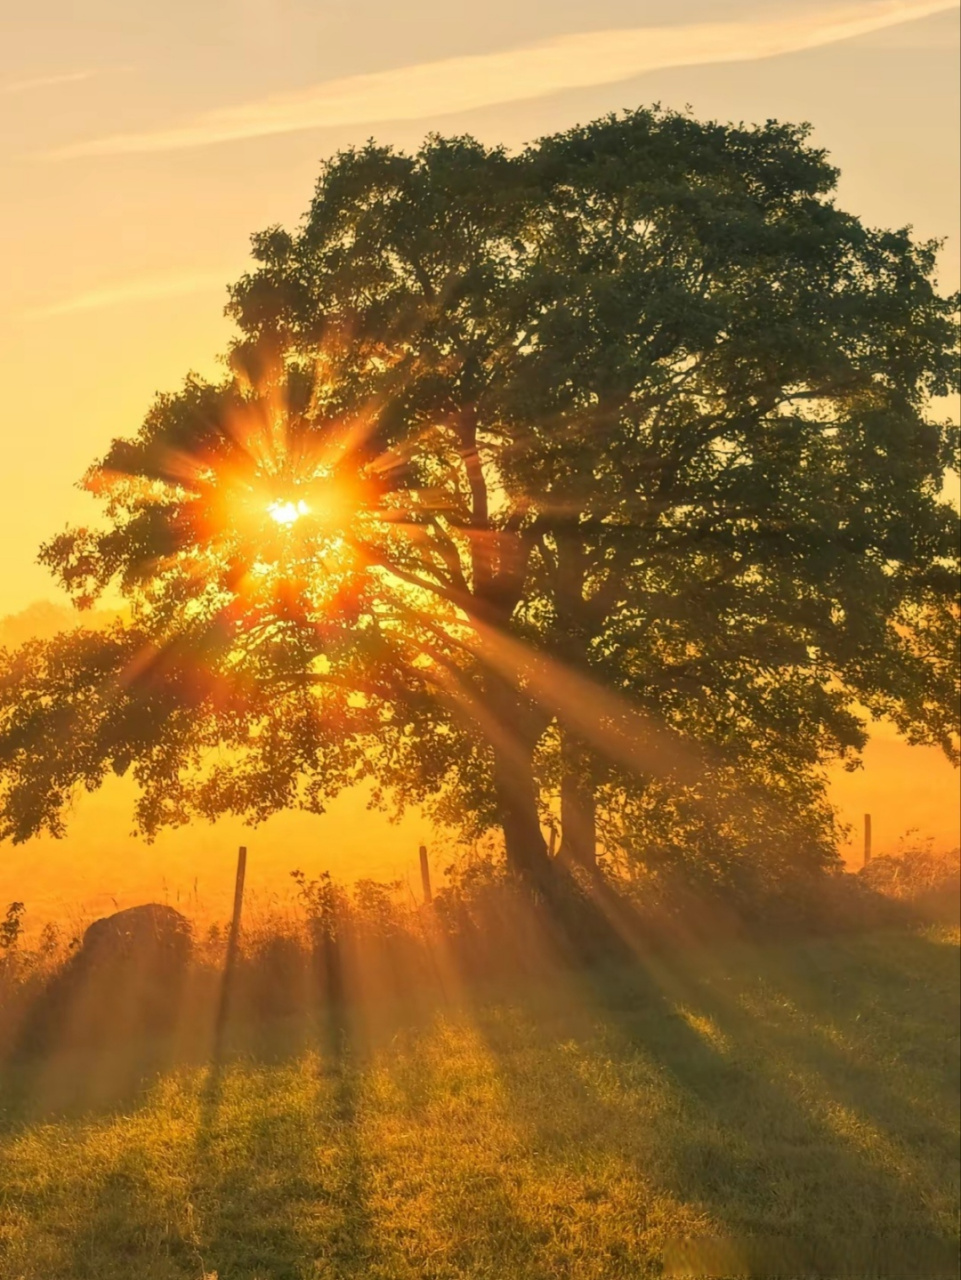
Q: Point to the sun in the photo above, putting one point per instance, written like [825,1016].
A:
[287,513]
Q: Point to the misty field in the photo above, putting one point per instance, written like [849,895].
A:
[785,1110]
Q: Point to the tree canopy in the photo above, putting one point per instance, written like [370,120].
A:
[606,471]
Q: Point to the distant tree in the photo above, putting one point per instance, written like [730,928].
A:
[632,481]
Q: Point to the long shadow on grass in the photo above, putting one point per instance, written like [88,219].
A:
[876,1033]
[758,1096]
[90,1082]
[279,1179]
[273,1183]
[782,1139]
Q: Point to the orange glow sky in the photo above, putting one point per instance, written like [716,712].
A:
[142,144]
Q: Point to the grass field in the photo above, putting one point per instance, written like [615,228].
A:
[785,1111]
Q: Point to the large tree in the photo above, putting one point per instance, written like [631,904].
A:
[684,403]
[628,470]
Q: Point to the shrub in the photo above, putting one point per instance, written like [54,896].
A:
[919,875]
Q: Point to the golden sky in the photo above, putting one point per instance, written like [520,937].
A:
[141,144]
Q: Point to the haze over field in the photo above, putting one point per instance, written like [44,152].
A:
[144,147]
[100,863]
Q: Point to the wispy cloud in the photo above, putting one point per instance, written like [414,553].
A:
[46,82]
[532,71]
[144,289]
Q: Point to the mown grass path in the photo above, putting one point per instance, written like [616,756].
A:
[787,1110]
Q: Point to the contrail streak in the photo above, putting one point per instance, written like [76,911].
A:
[46,82]
[512,75]
[140,290]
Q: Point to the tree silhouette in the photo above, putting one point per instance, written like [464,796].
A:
[610,465]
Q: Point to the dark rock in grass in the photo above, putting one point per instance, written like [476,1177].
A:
[125,980]
[153,935]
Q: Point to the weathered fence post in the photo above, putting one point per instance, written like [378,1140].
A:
[230,959]
[867,838]
[425,873]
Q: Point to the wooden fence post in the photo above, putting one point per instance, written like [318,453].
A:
[230,959]
[425,873]
[867,838]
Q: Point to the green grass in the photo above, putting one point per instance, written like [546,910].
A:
[780,1111]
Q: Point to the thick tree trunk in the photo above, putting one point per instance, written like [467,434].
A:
[513,728]
[578,805]
[581,919]
[524,842]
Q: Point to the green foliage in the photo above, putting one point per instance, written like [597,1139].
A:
[916,871]
[324,904]
[623,482]
[748,840]
[11,927]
